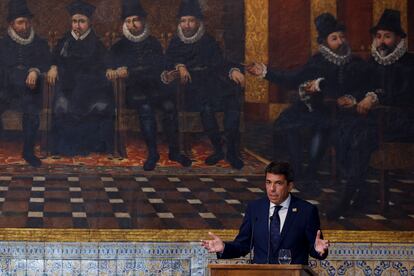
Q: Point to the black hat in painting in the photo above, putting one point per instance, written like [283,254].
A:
[18,8]
[390,21]
[131,8]
[80,7]
[326,24]
[190,8]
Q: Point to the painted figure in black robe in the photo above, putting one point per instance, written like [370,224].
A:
[332,79]
[83,104]
[392,77]
[23,58]
[138,57]
[205,78]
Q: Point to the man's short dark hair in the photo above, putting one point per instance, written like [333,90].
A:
[283,168]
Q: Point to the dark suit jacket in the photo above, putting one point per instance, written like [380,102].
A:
[298,233]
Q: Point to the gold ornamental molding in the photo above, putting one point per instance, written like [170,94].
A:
[381,5]
[318,7]
[184,235]
[257,47]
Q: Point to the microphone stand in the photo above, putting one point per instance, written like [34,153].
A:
[251,241]
[268,242]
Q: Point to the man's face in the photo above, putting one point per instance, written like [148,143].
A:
[22,26]
[385,42]
[336,41]
[80,24]
[135,24]
[277,188]
[189,25]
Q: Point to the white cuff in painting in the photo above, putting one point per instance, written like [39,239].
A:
[164,77]
[317,82]
[232,70]
[373,96]
[264,70]
[177,66]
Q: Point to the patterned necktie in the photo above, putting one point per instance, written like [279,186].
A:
[275,230]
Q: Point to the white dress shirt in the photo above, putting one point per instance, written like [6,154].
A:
[282,212]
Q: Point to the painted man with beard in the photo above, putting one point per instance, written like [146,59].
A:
[197,57]
[23,56]
[332,73]
[83,105]
[392,77]
[138,58]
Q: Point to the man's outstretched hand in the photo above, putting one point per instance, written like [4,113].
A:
[216,245]
[321,246]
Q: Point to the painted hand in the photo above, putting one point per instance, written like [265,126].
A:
[111,74]
[52,75]
[31,80]
[365,105]
[345,102]
[255,69]
[238,78]
[184,75]
[122,73]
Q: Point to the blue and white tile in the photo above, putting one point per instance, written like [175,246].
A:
[107,267]
[71,251]
[53,267]
[108,250]
[35,267]
[18,267]
[71,267]
[90,267]
[90,251]
[126,267]
[53,251]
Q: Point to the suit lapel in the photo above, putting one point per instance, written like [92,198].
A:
[291,216]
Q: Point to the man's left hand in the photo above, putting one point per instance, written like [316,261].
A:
[364,106]
[31,80]
[238,78]
[321,246]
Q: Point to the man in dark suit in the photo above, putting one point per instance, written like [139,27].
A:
[197,57]
[138,58]
[333,73]
[278,221]
[83,107]
[23,58]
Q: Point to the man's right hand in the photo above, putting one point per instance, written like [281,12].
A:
[52,75]
[216,245]
[184,74]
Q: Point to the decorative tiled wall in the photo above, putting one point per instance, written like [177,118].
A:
[20,258]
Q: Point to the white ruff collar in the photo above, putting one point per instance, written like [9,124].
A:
[398,52]
[335,58]
[82,37]
[136,38]
[20,40]
[196,37]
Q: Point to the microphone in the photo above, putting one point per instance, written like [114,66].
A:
[251,240]
[268,242]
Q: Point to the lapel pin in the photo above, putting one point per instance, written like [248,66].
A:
[294,210]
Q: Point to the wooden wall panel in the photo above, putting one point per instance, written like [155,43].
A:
[289,38]
[357,17]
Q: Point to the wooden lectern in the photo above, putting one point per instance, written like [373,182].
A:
[259,269]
